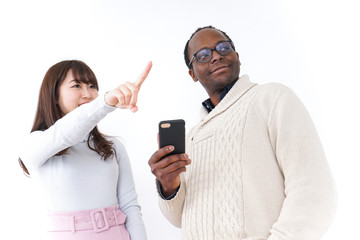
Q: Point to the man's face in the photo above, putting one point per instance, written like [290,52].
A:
[220,71]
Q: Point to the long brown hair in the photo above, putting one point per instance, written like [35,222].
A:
[48,111]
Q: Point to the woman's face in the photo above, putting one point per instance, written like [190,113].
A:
[73,93]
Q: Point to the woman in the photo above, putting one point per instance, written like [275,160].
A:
[86,176]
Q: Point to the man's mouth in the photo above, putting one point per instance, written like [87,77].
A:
[219,69]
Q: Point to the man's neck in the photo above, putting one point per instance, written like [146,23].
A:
[215,99]
[217,96]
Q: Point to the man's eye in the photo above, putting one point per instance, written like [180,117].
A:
[203,55]
[92,86]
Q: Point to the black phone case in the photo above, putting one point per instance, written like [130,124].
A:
[172,134]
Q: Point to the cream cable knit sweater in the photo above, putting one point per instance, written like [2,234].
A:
[258,171]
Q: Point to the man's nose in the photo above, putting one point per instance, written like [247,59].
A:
[215,57]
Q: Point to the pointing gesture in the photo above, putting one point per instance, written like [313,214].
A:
[125,95]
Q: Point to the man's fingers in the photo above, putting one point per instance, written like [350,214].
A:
[177,172]
[175,166]
[163,166]
[143,75]
[159,154]
[175,160]
[165,169]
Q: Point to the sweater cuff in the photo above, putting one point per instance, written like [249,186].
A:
[178,197]
[101,100]
[96,110]
[160,191]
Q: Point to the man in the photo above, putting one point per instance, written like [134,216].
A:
[257,168]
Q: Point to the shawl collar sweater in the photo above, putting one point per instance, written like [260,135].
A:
[258,171]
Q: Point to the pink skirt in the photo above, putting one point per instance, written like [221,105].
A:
[96,224]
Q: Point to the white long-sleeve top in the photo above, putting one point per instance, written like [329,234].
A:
[81,179]
[258,171]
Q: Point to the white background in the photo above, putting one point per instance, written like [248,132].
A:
[311,46]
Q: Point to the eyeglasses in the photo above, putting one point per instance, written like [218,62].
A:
[205,55]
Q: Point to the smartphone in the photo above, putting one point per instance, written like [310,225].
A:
[172,132]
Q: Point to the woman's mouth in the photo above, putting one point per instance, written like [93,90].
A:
[82,104]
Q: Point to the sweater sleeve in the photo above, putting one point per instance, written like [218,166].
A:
[310,197]
[127,196]
[173,208]
[39,146]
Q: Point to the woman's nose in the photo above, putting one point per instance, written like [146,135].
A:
[86,92]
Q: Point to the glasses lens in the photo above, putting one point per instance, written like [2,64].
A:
[223,48]
[204,55]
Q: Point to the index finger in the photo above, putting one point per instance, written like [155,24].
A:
[143,75]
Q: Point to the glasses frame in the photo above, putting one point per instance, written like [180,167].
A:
[211,52]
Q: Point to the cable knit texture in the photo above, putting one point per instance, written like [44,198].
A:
[258,171]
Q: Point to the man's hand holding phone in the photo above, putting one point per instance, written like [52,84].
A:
[170,160]
[167,168]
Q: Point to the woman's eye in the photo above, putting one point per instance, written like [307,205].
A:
[92,86]
[76,86]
